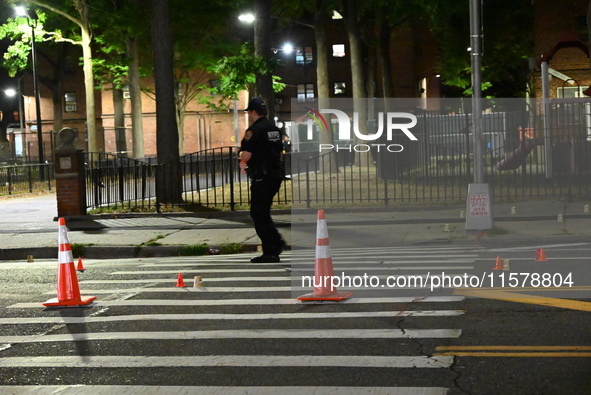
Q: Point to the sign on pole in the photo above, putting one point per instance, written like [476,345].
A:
[478,208]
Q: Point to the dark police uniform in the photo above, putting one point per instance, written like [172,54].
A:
[264,141]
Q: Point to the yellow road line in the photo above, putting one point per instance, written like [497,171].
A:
[514,351]
[523,289]
[515,348]
[528,299]
[516,354]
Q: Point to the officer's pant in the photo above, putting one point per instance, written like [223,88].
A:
[262,193]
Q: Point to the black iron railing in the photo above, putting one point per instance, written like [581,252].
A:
[26,178]
[208,178]
[524,158]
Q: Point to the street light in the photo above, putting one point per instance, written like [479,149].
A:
[287,48]
[22,11]
[247,17]
[10,92]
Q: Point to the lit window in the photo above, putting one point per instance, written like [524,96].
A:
[305,92]
[339,88]
[304,55]
[126,93]
[70,102]
[336,15]
[338,50]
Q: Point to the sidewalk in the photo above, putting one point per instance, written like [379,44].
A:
[28,227]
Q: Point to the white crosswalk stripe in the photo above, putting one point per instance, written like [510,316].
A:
[127,314]
[221,316]
[255,302]
[181,390]
[232,360]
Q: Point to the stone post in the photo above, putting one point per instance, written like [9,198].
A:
[70,180]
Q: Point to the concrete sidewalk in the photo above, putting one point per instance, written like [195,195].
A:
[29,228]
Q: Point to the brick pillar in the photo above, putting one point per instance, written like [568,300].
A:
[70,182]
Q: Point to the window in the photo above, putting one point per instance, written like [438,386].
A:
[570,92]
[305,92]
[126,93]
[215,84]
[70,102]
[336,15]
[339,88]
[572,113]
[338,51]
[304,55]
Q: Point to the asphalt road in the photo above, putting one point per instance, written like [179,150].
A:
[245,331]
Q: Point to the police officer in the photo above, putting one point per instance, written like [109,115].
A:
[261,156]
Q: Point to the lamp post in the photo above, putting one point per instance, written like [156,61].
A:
[22,11]
[17,92]
[11,92]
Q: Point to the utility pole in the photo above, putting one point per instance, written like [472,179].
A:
[476,61]
[478,202]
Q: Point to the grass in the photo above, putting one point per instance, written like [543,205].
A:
[497,231]
[79,250]
[231,248]
[194,250]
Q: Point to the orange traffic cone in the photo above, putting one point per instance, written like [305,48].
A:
[80,266]
[499,265]
[179,280]
[323,271]
[540,255]
[68,292]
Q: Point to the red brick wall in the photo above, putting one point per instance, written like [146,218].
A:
[203,128]
[555,22]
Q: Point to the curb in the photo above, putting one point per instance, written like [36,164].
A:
[121,252]
[129,252]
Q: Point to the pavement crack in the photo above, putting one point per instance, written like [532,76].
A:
[458,374]
[420,347]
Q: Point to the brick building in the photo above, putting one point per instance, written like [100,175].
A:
[203,127]
[560,38]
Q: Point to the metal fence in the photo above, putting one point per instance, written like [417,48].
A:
[525,157]
[27,178]
[208,178]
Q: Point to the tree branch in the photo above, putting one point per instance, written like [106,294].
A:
[58,38]
[57,11]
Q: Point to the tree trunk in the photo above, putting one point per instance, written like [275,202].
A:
[57,94]
[587,92]
[384,36]
[356,57]
[57,91]
[180,121]
[94,145]
[135,95]
[328,161]
[119,121]
[168,182]
[262,48]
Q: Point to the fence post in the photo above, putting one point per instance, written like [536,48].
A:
[30,176]
[231,174]
[70,183]
[308,199]
[9,176]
